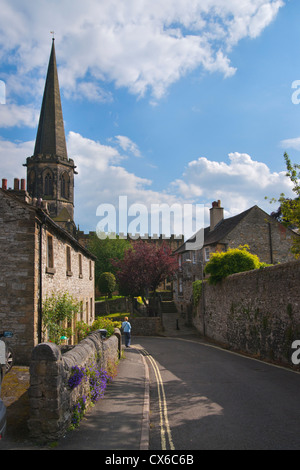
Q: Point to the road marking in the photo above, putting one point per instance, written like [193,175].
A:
[165,432]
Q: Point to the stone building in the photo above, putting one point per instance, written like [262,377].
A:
[50,173]
[38,257]
[265,236]
[39,250]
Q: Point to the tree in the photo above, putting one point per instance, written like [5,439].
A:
[235,260]
[107,283]
[289,211]
[144,266]
[105,250]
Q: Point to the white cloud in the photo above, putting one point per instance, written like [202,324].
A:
[291,143]
[101,179]
[12,157]
[239,184]
[12,115]
[128,145]
[143,45]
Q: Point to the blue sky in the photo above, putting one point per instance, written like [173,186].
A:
[181,101]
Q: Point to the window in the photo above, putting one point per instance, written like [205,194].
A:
[65,183]
[80,265]
[50,257]
[91,270]
[206,254]
[87,311]
[180,262]
[48,184]
[91,308]
[180,286]
[68,260]
[194,257]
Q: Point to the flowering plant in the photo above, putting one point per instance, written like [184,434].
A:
[77,375]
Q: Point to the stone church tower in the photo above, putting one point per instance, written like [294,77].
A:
[50,173]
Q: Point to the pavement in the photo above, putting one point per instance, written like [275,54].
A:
[119,421]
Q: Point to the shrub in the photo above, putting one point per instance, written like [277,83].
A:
[106,324]
[107,283]
[197,289]
[233,261]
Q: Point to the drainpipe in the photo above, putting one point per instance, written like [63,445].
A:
[40,303]
[203,299]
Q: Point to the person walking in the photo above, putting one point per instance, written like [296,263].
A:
[126,327]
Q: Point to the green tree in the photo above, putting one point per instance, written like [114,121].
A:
[58,311]
[235,260]
[289,210]
[107,283]
[105,250]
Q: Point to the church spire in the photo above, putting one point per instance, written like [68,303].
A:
[50,173]
[50,139]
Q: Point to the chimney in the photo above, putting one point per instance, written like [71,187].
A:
[4,184]
[23,184]
[16,184]
[216,214]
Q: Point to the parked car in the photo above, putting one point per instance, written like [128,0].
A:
[6,364]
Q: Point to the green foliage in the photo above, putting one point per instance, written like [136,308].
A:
[82,329]
[58,310]
[105,250]
[197,290]
[234,260]
[106,324]
[106,283]
[289,211]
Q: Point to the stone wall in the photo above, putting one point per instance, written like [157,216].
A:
[17,271]
[51,398]
[78,282]
[121,305]
[257,312]
[146,326]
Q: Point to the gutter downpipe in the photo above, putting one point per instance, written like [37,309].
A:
[40,304]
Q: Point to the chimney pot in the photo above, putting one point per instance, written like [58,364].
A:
[4,184]
[16,184]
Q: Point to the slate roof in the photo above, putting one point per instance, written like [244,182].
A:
[222,229]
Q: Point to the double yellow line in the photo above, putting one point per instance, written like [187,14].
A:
[165,432]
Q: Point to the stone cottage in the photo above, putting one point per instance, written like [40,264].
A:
[39,252]
[38,257]
[266,237]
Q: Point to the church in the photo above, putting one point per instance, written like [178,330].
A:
[40,253]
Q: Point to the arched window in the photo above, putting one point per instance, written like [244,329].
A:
[48,184]
[65,183]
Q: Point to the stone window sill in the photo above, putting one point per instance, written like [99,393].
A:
[50,270]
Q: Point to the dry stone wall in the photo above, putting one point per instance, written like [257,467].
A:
[51,398]
[257,312]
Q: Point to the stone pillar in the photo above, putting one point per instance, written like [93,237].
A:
[46,377]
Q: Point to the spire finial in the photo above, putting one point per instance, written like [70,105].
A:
[53,38]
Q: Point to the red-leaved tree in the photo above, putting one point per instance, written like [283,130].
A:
[143,268]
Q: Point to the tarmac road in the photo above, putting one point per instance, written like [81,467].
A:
[213,399]
[181,393]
